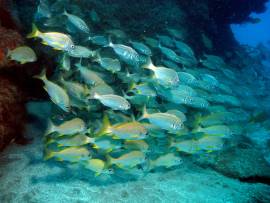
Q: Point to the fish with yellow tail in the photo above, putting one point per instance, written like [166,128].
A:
[168,160]
[57,94]
[73,141]
[132,130]
[70,127]
[113,101]
[127,161]
[164,76]
[165,121]
[57,40]
[70,154]
[98,166]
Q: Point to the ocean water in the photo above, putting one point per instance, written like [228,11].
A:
[140,107]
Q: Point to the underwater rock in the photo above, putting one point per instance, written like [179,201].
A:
[9,40]
[12,111]
[237,163]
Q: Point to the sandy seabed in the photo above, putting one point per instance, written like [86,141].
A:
[26,178]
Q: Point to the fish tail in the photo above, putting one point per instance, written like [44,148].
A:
[65,12]
[42,75]
[35,32]
[50,127]
[110,160]
[105,126]
[48,154]
[144,115]
[110,44]
[148,64]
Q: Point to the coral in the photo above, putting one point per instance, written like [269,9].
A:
[12,112]
[9,39]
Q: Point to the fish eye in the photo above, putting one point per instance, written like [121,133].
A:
[72,46]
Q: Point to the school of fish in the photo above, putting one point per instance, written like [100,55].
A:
[124,102]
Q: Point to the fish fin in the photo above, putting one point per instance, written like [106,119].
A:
[9,52]
[110,44]
[50,127]
[45,43]
[56,49]
[59,159]
[110,160]
[144,115]
[50,141]
[105,126]
[65,12]
[148,64]
[95,146]
[42,75]
[35,32]
[97,174]
[48,154]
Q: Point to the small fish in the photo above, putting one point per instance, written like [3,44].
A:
[128,160]
[76,140]
[57,94]
[65,62]
[98,166]
[113,101]
[170,54]
[126,53]
[141,48]
[132,130]
[43,10]
[100,40]
[210,143]
[77,22]
[117,33]
[105,143]
[89,77]
[178,113]
[187,78]
[165,76]
[94,16]
[184,49]
[109,64]
[102,89]
[143,89]
[215,130]
[170,64]
[165,121]
[70,127]
[151,42]
[167,161]
[81,52]
[187,146]
[176,33]
[75,89]
[58,41]
[136,145]
[22,54]
[165,40]
[70,154]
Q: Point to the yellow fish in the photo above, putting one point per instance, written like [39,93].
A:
[69,127]
[58,41]
[71,154]
[98,166]
[76,140]
[129,130]
[167,160]
[128,160]
[136,145]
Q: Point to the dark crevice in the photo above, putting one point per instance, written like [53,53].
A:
[255,179]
